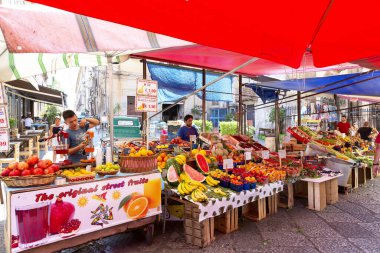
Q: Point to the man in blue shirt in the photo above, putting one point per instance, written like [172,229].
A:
[188,129]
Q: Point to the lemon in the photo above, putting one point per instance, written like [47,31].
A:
[203,152]
[144,152]
[137,154]
[150,152]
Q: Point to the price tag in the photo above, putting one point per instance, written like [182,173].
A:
[4,140]
[343,135]
[265,154]
[301,153]
[3,118]
[193,138]
[282,153]
[248,156]
[228,164]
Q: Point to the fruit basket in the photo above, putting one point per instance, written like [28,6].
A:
[107,173]
[28,181]
[81,178]
[107,169]
[129,164]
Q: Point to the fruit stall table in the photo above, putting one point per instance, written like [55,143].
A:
[201,218]
[322,191]
[41,218]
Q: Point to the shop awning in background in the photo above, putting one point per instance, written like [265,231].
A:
[280,31]
[369,99]
[266,94]
[175,83]
[33,37]
[43,94]
[362,84]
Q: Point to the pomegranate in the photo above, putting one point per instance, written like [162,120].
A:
[23,166]
[38,171]
[61,213]
[44,164]
[15,173]
[5,172]
[49,171]
[13,165]
[55,167]
[26,173]
[32,160]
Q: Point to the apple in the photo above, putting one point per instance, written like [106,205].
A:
[26,173]
[5,172]
[15,173]
[49,171]
[55,167]
[13,166]
[32,160]
[23,166]
[44,164]
[38,171]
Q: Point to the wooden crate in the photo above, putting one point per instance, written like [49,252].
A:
[362,178]
[256,210]
[227,222]
[197,233]
[316,196]
[272,202]
[332,195]
[295,147]
[369,173]
[354,178]
[286,197]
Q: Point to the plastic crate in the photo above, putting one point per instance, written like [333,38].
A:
[126,127]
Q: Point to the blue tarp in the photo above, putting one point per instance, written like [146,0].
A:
[174,83]
[266,94]
[366,88]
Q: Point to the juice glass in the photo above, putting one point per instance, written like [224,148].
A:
[33,224]
[152,190]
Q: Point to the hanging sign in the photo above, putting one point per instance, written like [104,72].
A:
[228,164]
[146,96]
[146,104]
[248,156]
[3,117]
[4,140]
[282,153]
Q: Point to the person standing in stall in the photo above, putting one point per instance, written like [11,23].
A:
[344,126]
[76,132]
[366,131]
[54,130]
[188,129]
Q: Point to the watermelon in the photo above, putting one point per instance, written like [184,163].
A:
[172,176]
[172,162]
[202,163]
[193,174]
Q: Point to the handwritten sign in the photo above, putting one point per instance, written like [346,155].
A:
[248,156]
[147,88]
[4,140]
[146,104]
[282,154]
[193,138]
[301,153]
[3,117]
[265,154]
[228,164]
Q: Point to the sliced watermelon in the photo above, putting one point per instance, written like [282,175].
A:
[202,163]
[193,174]
[172,162]
[172,176]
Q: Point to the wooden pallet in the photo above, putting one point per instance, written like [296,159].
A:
[197,233]
[272,204]
[256,210]
[227,222]
[286,197]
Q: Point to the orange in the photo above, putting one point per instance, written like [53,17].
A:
[163,155]
[159,159]
[166,158]
[137,208]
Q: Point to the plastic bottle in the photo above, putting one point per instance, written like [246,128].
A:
[99,156]
[108,155]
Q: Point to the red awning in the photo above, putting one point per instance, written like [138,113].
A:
[218,59]
[280,31]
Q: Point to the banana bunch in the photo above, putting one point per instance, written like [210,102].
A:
[185,188]
[184,177]
[197,184]
[220,192]
[211,182]
[198,196]
[180,159]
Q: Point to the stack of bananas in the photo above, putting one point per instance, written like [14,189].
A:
[211,182]
[195,188]
[180,159]
[220,192]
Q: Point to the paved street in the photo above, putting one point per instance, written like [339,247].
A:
[351,225]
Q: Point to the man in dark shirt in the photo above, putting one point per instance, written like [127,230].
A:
[188,129]
[365,132]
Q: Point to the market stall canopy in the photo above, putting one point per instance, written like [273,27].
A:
[174,83]
[351,84]
[218,59]
[35,36]
[42,94]
[279,31]
[266,94]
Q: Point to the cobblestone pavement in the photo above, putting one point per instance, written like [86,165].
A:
[351,225]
